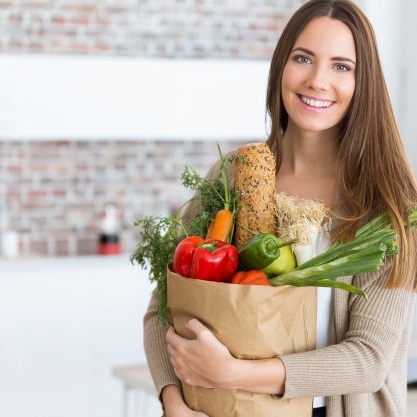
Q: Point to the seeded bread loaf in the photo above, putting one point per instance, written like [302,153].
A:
[254,179]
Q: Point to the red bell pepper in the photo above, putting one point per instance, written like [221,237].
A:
[210,260]
[183,255]
[251,277]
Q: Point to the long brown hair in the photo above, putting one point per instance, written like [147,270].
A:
[374,174]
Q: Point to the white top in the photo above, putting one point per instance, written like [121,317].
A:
[319,243]
[324,307]
[324,303]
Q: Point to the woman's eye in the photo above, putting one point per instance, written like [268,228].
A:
[302,59]
[341,67]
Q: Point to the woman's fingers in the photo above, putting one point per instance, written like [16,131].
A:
[196,327]
[201,361]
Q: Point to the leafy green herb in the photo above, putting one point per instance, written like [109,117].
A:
[159,236]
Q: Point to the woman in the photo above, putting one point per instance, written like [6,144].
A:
[335,139]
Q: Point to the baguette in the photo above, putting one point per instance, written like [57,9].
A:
[254,178]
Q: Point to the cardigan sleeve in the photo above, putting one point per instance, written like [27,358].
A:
[155,348]
[377,332]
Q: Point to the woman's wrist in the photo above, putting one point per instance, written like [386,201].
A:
[266,376]
[172,398]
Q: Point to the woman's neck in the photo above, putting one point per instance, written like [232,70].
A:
[310,152]
[308,166]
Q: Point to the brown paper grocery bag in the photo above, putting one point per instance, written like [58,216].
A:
[254,322]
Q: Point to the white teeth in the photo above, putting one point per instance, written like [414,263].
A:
[315,103]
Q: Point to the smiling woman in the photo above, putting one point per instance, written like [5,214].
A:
[317,88]
[326,99]
[318,81]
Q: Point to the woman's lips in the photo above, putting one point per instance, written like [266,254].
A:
[315,103]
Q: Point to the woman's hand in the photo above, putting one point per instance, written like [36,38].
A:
[174,404]
[204,361]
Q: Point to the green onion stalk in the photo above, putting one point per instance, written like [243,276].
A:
[366,253]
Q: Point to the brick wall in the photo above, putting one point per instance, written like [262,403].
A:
[169,28]
[56,190]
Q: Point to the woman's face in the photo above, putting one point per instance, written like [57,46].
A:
[318,81]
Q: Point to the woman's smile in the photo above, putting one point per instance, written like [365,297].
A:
[315,103]
[318,80]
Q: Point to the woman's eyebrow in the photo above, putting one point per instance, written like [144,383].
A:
[311,53]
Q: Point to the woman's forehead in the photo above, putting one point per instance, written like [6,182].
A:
[327,36]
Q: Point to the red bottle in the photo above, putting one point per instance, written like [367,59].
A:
[108,240]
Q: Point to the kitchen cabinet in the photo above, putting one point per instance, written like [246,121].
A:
[65,323]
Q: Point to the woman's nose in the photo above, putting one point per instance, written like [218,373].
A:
[318,79]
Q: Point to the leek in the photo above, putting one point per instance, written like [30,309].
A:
[365,253]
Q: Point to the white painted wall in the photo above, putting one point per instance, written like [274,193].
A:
[77,97]
[408,64]
[385,16]
[394,24]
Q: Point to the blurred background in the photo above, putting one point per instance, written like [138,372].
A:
[101,104]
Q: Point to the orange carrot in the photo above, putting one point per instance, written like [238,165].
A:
[221,227]
[210,230]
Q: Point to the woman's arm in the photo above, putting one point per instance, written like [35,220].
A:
[369,349]
[155,348]
[175,405]
[166,383]
[206,362]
